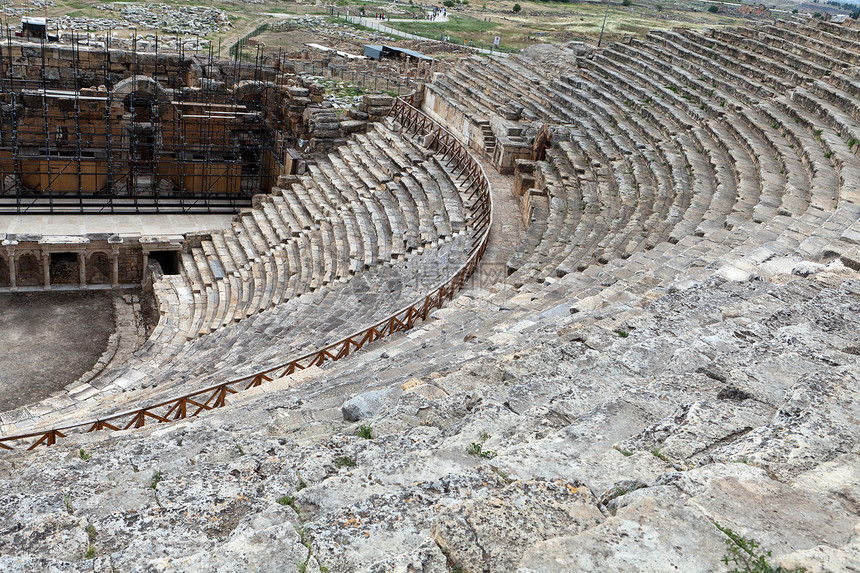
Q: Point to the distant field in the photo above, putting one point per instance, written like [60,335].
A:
[475,21]
[541,22]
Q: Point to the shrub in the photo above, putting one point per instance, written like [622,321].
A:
[626,2]
[742,555]
[477,449]
[517,8]
[448,3]
[713,9]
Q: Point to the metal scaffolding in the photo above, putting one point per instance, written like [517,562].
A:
[97,130]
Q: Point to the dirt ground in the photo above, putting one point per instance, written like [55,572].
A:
[49,339]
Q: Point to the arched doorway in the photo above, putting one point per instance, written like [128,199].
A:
[28,270]
[99,269]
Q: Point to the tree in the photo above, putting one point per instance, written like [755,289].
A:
[713,9]
[517,8]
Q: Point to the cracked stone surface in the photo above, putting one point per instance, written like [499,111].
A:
[596,456]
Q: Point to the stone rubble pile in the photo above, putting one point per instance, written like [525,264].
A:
[320,25]
[170,19]
[9,9]
[334,92]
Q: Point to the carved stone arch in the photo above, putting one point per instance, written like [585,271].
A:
[140,89]
[99,268]
[28,269]
[252,92]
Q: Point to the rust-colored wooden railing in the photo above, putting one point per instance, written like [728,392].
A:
[472,180]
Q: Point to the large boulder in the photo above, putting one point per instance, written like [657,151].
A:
[368,404]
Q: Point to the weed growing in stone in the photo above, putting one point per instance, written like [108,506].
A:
[91,552]
[91,532]
[241,451]
[303,538]
[344,462]
[742,555]
[478,450]
[67,500]
[289,501]
[301,485]
[660,455]
[622,333]
[365,433]
[84,455]
[623,452]
[156,477]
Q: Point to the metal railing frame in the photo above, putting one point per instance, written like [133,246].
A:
[473,180]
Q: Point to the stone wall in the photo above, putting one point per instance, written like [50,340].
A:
[100,66]
[97,260]
[499,140]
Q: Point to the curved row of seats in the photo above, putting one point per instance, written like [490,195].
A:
[366,230]
[673,158]
[678,135]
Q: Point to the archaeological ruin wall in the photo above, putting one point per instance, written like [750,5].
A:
[95,130]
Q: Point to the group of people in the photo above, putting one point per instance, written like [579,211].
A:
[437,13]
